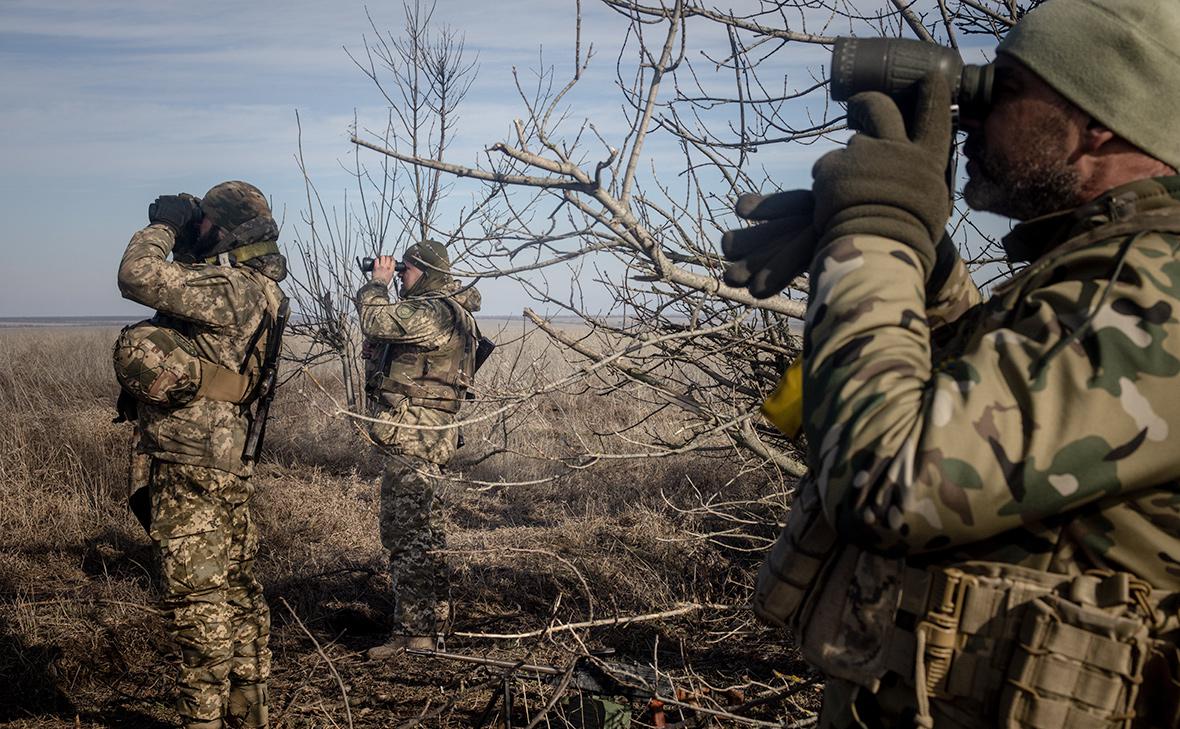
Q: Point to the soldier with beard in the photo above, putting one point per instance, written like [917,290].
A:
[422,351]
[989,534]
[195,370]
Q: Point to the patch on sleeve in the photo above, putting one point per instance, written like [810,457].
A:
[404,312]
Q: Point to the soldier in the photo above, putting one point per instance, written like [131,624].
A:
[195,368]
[989,534]
[422,360]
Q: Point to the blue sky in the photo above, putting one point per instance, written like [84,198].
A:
[106,105]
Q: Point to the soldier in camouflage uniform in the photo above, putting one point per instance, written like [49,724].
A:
[421,360]
[989,534]
[221,292]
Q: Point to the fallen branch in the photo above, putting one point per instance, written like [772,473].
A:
[616,621]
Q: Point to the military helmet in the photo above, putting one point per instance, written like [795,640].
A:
[429,255]
[230,204]
[432,259]
[157,365]
[241,211]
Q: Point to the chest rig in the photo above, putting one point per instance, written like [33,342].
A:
[432,378]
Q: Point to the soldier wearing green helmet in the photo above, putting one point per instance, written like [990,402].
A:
[191,377]
[989,534]
[420,364]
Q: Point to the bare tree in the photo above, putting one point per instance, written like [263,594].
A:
[573,209]
[614,234]
[424,75]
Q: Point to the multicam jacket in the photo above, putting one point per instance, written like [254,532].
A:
[1009,470]
[220,308]
[403,334]
[1038,428]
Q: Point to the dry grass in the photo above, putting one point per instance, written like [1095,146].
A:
[80,644]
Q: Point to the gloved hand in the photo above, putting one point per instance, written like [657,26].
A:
[766,257]
[887,182]
[175,211]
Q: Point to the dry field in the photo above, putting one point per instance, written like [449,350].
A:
[81,644]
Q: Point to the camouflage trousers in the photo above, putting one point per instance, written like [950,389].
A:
[205,544]
[412,531]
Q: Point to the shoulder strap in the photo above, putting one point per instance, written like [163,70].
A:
[469,331]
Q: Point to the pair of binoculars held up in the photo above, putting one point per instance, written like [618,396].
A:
[366,265]
[894,65]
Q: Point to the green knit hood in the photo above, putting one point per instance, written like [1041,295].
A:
[1117,60]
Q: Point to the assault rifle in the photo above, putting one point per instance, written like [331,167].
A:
[267,384]
[597,679]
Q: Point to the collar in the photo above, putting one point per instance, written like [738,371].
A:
[1034,238]
[241,254]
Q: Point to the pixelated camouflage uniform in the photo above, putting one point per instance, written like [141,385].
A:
[432,324]
[1034,430]
[204,537]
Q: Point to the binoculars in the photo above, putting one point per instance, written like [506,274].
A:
[366,265]
[894,65]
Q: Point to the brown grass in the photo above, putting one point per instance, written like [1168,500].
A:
[81,645]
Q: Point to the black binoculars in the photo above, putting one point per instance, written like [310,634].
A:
[366,265]
[894,65]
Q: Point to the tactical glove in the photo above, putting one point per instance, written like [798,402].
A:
[175,211]
[765,258]
[888,182]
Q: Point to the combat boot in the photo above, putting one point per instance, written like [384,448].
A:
[196,724]
[247,706]
[399,643]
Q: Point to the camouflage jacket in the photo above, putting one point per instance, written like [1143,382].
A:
[421,322]
[1031,429]
[221,307]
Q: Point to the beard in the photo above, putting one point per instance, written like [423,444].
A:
[1038,182]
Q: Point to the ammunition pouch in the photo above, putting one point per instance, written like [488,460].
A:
[1075,665]
[439,396]
[1022,647]
[986,644]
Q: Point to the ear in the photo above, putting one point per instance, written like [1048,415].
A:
[1095,137]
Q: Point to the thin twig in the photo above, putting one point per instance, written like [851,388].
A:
[320,650]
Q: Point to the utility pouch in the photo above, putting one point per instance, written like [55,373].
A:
[159,366]
[1078,664]
[806,544]
[847,627]
[139,478]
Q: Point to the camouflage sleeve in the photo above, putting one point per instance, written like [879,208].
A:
[202,294]
[1063,395]
[422,322]
[957,294]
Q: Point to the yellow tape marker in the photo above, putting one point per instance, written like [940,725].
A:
[784,407]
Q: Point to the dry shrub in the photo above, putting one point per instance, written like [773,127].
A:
[80,642]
